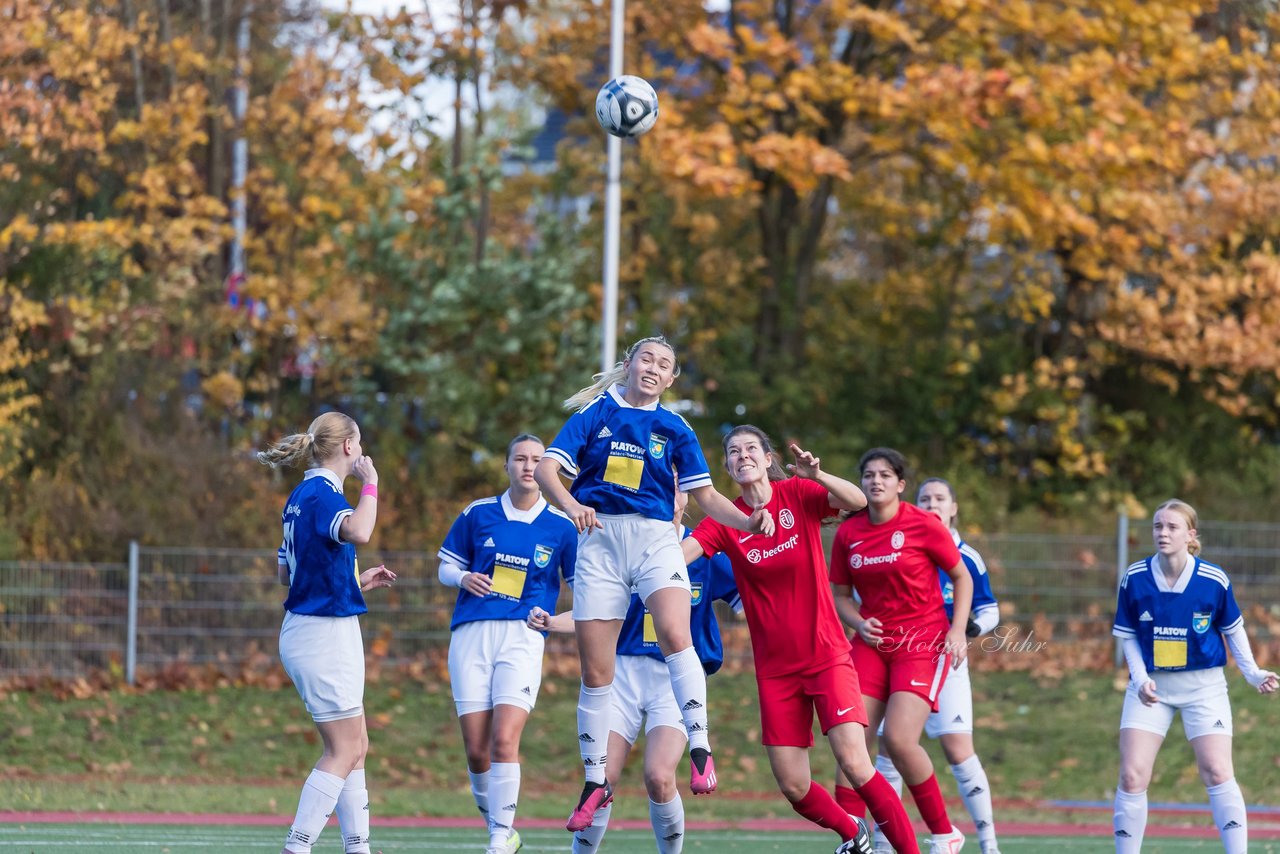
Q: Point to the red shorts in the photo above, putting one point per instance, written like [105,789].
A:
[915,667]
[787,703]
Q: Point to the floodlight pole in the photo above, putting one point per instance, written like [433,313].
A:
[612,206]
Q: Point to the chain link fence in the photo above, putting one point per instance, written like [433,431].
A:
[222,607]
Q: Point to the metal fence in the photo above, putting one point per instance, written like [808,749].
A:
[222,606]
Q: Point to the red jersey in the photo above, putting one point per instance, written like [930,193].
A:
[894,566]
[783,580]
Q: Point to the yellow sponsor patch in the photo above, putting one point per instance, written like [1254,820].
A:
[1169,654]
[650,634]
[624,471]
[508,581]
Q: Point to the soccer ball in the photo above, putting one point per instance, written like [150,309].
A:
[627,106]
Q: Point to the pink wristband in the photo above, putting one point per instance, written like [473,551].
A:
[369,489]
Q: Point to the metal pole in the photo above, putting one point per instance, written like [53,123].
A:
[240,147]
[1122,566]
[612,206]
[131,640]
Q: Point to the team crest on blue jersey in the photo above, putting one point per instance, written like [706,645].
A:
[695,593]
[541,556]
[1200,621]
[657,446]
[949,594]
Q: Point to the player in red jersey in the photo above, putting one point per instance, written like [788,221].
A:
[890,554]
[801,652]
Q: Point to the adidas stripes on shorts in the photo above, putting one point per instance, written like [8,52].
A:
[494,662]
[630,553]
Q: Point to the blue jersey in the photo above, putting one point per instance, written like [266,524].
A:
[323,579]
[710,579]
[525,552]
[624,458]
[983,598]
[1177,629]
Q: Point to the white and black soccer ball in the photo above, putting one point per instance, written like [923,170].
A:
[627,106]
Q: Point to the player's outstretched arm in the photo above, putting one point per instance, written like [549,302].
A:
[725,512]
[844,495]
[692,550]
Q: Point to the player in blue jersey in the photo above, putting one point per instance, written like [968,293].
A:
[952,724]
[1173,612]
[642,697]
[320,644]
[507,554]
[623,449]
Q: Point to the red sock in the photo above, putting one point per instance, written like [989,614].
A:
[820,808]
[933,809]
[889,813]
[850,802]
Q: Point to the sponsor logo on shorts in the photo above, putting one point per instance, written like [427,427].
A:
[843,712]
[1218,725]
[676,577]
[525,690]
[959,719]
[918,684]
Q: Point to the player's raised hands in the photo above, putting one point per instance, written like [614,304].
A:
[806,464]
[364,470]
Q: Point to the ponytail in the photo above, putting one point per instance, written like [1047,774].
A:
[618,373]
[322,440]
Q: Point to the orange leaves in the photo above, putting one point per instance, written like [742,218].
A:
[799,160]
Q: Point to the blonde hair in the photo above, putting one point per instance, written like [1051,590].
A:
[322,440]
[1192,518]
[616,374]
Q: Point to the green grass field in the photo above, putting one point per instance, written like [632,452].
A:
[246,749]
[48,839]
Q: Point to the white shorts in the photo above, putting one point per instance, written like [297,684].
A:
[630,553]
[955,705]
[642,689]
[324,656]
[494,662]
[1206,710]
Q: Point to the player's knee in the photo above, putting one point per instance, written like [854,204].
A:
[1216,773]
[1134,779]
[506,747]
[794,790]
[660,786]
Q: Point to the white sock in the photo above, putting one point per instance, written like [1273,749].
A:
[1226,801]
[668,825]
[480,791]
[689,684]
[890,772]
[588,841]
[353,813]
[975,791]
[593,730]
[504,793]
[1129,821]
[319,796]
